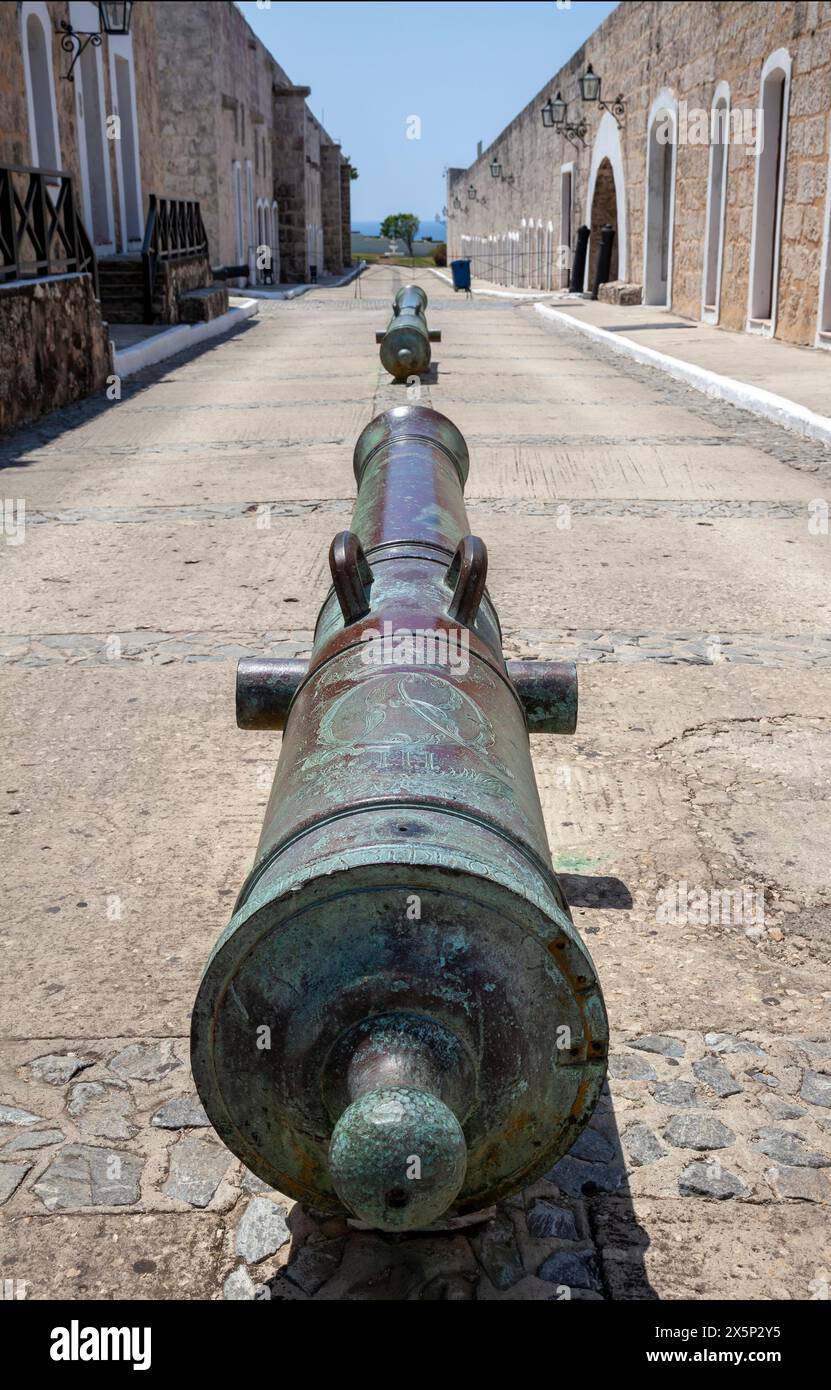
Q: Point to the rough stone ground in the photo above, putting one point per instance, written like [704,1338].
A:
[662,539]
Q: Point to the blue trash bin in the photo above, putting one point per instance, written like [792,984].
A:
[461,274]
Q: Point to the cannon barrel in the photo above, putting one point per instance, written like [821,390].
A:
[400,1018]
[405,343]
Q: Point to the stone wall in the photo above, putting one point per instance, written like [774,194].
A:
[289,158]
[53,346]
[176,278]
[330,184]
[188,102]
[228,106]
[640,50]
[315,251]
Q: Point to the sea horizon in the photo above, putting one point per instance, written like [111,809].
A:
[428,228]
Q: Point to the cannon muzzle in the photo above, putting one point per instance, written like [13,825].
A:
[400,1018]
[405,343]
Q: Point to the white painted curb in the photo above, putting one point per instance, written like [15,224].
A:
[498,294]
[179,338]
[296,290]
[789,414]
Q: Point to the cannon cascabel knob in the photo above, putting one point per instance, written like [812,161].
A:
[397,1158]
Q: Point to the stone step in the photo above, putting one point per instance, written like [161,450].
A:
[201,305]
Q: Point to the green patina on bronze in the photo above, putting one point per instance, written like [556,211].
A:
[400,1017]
[405,344]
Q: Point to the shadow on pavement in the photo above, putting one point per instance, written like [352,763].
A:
[572,1235]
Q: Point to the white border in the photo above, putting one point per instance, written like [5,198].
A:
[83,16]
[825,263]
[39,10]
[121,46]
[664,102]
[178,338]
[780,60]
[721,96]
[789,414]
[606,145]
[567,169]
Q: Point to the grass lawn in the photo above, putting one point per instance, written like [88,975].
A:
[373,258]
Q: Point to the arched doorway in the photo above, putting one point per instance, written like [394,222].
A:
[93,146]
[606,198]
[236,193]
[40,86]
[661,146]
[824,308]
[768,193]
[603,214]
[128,167]
[275,243]
[716,203]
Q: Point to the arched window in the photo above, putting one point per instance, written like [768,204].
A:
[566,219]
[236,194]
[250,227]
[768,194]
[824,311]
[661,147]
[36,43]
[716,203]
[275,243]
[128,167]
[93,145]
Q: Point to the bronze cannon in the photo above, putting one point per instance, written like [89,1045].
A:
[405,342]
[400,1018]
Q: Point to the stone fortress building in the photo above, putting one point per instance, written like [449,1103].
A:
[145,150]
[237,130]
[713,170]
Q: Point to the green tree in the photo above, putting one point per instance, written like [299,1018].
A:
[401,224]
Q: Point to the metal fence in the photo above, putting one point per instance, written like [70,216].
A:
[41,233]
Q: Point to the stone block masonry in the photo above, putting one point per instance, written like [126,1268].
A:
[738,247]
[53,346]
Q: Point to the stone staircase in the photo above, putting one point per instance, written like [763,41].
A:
[121,291]
[121,288]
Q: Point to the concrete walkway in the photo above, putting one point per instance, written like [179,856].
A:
[672,544]
[801,374]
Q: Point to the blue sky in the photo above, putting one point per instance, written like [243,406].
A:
[465,69]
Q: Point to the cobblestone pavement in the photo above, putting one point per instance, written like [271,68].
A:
[674,545]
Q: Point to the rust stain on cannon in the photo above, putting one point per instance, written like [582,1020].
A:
[405,343]
[401,1018]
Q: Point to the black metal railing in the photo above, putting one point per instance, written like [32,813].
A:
[41,233]
[173,231]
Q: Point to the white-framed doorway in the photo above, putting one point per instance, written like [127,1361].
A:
[39,78]
[606,149]
[659,211]
[250,254]
[768,194]
[93,145]
[127,157]
[566,243]
[236,193]
[823,338]
[716,204]
[275,242]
